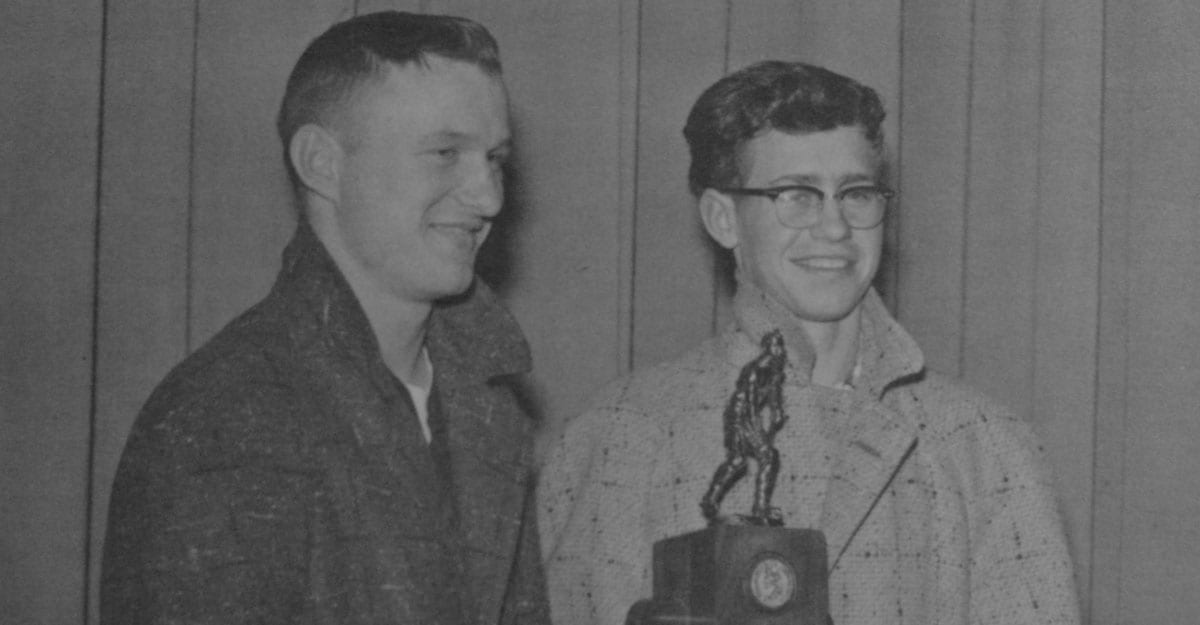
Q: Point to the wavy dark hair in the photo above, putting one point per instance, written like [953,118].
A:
[795,98]
[360,49]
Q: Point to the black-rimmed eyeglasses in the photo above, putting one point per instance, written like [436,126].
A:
[799,206]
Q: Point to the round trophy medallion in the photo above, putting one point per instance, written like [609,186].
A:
[772,582]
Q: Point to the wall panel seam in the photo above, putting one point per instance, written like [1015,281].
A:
[968,147]
[633,193]
[629,88]
[1031,372]
[190,220]
[93,395]
[1097,352]
[1112,412]
[728,37]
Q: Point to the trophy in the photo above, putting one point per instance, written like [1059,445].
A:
[743,569]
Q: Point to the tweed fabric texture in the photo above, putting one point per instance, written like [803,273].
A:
[934,501]
[279,474]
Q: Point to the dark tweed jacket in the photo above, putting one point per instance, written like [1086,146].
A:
[278,475]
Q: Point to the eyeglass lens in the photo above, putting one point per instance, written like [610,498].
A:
[862,207]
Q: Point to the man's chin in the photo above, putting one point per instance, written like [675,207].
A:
[456,290]
[826,310]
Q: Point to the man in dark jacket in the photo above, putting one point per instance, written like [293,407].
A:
[347,451]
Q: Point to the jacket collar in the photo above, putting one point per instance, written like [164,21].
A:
[470,335]
[886,353]
[869,440]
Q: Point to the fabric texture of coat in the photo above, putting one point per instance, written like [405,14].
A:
[933,500]
[279,474]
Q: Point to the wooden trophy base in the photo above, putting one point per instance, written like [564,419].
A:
[738,575]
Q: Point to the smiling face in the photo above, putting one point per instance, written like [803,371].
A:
[419,180]
[820,273]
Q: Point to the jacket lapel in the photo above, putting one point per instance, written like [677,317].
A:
[474,343]
[338,345]
[490,474]
[871,441]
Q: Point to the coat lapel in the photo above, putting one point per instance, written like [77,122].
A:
[339,347]
[871,441]
[472,341]
[490,477]
[474,344]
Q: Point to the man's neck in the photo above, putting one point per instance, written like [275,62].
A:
[400,331]
[399,324]
[835,344]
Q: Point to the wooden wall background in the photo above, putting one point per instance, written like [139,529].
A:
[1045,248]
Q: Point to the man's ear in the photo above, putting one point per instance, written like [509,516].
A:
[719,215]
[316,156]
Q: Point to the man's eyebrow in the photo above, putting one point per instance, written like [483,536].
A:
[857,177]
[815,180]
[441,137]
[794,179]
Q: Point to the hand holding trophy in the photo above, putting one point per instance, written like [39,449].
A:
[743,569]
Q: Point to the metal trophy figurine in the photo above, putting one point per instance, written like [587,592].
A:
[743,569]
[753,416]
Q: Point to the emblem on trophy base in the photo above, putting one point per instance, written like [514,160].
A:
[743,569]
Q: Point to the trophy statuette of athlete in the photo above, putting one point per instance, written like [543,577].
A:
[743,569]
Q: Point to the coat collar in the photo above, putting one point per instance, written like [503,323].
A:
[471,334]
[886,353]
[870,441]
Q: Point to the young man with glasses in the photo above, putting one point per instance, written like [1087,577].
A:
[933,500]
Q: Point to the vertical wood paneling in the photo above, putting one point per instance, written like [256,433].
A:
[142,314]
[1003,165]
[567,208]
[932,179]
[242,210]
[362,7]
[50,97]
[1066,277]
[1161,495]
[1112,424]
[628,170]
[673,288]
[763,29]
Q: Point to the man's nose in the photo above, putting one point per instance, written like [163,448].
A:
[832,225]
[483,187]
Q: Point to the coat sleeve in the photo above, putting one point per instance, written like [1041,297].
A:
[206,524]
[592,511]
[1020,568]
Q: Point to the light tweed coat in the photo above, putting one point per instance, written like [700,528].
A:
[933,500]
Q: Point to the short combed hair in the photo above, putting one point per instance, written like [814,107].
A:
[360,49]
[794,98]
